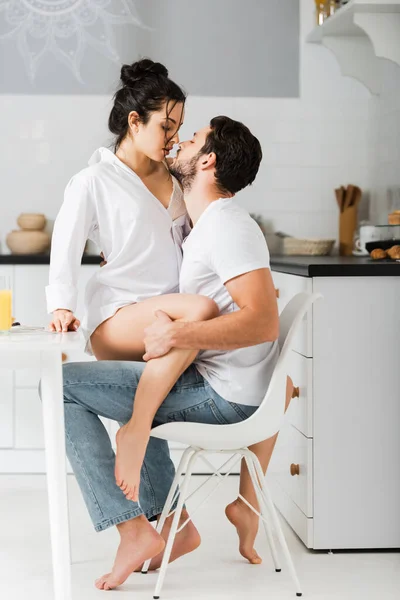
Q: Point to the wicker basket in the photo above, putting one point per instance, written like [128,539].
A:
[294,246]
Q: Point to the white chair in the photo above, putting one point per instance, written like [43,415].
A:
[234,440]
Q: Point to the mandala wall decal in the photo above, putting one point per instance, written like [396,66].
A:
[64,28]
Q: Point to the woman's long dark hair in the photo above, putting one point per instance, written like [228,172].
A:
[145,88]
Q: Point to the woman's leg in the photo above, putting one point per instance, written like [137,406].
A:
[121,336]
[158,377]
[238,513]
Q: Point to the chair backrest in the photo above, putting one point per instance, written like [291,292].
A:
[267,420]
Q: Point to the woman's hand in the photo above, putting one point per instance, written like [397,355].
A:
[64,320]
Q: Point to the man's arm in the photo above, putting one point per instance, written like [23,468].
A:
[256,322]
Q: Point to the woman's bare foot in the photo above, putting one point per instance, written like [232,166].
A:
[131,448]
[186,541]
[246,523]
[139,542]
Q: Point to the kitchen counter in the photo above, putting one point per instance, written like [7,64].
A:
[41,259]
[306,266]
[335,266]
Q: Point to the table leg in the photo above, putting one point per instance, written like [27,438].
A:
[54,437]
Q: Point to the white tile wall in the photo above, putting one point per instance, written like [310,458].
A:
[311,144]
[335,133]
[384,144]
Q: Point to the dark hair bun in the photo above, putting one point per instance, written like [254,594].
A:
[141,69]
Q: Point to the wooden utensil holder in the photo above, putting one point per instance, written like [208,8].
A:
[347,226]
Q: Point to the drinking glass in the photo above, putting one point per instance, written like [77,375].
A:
[5,304]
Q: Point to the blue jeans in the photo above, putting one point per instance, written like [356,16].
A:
[107,389]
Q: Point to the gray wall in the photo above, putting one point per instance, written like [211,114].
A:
[211,47]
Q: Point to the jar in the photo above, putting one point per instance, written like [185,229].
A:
[321,11]
[331,7]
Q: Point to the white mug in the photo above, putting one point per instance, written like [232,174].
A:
[368,233]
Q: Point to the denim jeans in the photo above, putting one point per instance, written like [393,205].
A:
[107,389]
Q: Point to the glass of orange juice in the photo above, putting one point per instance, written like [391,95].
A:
[5,304]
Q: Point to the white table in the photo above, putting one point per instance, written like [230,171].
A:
[43,350]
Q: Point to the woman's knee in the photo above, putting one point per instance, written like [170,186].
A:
[203,309]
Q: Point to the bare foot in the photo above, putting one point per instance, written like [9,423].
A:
[186,541]
[139,542]
[246,523]
[131,447]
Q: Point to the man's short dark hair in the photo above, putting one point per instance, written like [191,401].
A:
[238,154]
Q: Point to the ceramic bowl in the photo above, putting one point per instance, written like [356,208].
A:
[28,242]
[31,221]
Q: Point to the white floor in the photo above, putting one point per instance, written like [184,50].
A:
[215,570]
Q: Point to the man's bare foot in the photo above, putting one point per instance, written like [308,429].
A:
[139,542]
[131,447]
[246,523]
[186,541]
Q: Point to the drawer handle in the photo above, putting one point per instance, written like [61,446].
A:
[294,469]
[277,293]
[296,392]
[64,357]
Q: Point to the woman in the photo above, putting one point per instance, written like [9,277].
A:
[130,205]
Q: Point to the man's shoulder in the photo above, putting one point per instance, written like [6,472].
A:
[232,217]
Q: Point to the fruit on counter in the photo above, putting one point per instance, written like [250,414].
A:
[378,254]
[394,252]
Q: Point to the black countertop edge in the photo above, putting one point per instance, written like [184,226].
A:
[41,259]
[305,266]
[334,266]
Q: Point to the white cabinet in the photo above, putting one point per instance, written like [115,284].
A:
[7,389]
[300,412]
[29,294]
[6,409]
[286,287]
[335,473]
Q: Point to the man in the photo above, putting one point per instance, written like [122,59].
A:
[226,258]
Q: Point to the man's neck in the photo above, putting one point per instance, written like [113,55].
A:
[198,199]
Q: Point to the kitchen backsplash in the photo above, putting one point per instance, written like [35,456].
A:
[385,143]
[310,144]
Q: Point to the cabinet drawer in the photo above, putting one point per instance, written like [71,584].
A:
[30,282]
[300,411]
[302,525]
[294,452]
[30,377]
[28,419]
[6,408]
[288,286]
[29,422]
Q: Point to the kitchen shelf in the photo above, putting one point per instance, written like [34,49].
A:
[359,34]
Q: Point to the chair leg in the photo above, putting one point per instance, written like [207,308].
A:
[168,503]
[174,526]
[271,509]
[264,513]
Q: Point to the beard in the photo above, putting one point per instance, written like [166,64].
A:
[185,171]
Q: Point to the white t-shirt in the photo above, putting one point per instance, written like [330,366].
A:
[225,243]
[141,240]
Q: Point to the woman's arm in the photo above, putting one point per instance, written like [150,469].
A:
[71,230]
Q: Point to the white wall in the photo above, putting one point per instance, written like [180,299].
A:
[311,144]
[385,142]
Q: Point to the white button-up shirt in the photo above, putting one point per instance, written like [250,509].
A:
[141,240]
